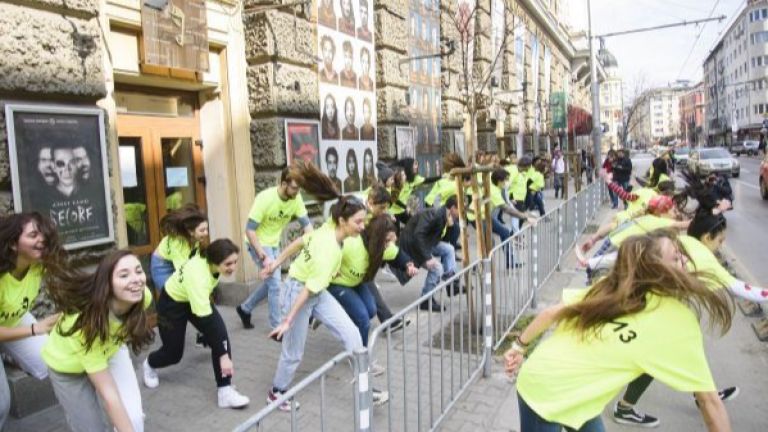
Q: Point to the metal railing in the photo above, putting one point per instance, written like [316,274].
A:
[430,363]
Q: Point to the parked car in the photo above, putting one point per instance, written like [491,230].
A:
[705,161]
[681,155]
[764,177]
[748,147]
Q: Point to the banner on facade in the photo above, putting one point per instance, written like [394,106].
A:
[175,34]
[346,77]
[425,88]
[558,104]
[59,168]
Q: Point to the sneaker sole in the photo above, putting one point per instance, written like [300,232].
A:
[732,395]
[634,423]
[239,407]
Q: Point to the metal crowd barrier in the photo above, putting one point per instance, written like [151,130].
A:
[430,363]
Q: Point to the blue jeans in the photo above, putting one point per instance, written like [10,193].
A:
[447,265]
[359,304]
[160,270]
[504,233]
[537,202]
[269,289]
[530,421]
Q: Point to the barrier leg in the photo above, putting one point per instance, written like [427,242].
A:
[363,392]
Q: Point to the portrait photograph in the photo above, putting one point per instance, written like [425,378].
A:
[329,122]
[331,168]
[326,15]
[59,168]
[367,130]
[363,31]
[328,53]
[347,18]
[366,82]
[352,182]
[350,131]
[348,77]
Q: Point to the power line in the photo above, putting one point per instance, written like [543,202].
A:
[695,41]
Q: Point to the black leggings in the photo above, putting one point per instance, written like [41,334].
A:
[636,388]
[172,323]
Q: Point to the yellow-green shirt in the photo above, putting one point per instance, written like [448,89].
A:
[355,261]
[273,214]
[444,188]
[193,283]
[638,226]
[644,196]
[17,296]
[67,354]
[405,194]
[570,378]
[497,197]
[174,249]
[518,185]
[537,179]
[703,260]
[319,260]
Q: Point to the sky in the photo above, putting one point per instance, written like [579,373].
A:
[662,56]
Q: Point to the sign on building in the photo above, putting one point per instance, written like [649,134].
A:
[175,34]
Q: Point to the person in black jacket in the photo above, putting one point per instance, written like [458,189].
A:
[622,171]
[421,239]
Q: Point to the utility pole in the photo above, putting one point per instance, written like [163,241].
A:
[596,125]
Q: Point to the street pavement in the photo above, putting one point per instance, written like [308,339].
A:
[737,358]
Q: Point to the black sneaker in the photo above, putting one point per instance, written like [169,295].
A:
[454,288]
[245,317]
[728,393]
[399,324]
[433,306]
[629,416]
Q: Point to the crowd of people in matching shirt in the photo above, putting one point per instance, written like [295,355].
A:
[638,320]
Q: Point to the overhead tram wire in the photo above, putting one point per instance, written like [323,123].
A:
[695,41]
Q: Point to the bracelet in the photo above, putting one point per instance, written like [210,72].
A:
[520,342]
[32,327]
[517,347]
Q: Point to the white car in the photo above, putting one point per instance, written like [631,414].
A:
[715,160]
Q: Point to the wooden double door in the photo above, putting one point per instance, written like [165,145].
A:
[161,168]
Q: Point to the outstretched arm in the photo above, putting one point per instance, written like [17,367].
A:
[288,252]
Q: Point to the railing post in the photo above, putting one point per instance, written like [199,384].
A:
[559,236]
[535,249]
[487,289]
[576,216]
[363,392]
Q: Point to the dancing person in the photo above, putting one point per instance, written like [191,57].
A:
[305,292]
[183,230]
[270,213]
[104,315]
[642,318]
[29,247]
[186,298]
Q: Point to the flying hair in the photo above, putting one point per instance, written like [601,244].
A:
[313,181]
[375,240]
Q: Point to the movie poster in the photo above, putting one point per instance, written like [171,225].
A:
[59,168]
[346,77]
[425,84]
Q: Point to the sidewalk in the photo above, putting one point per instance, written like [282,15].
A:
[186,397]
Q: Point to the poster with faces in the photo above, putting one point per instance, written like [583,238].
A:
[346,78]
[425,84]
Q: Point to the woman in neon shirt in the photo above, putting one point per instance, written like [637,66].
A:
[305,291]
[87,353]
[186,298]
[641,318]
[185,229]
[29,249]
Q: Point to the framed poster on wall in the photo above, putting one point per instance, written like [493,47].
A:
[302,141]
[59,168]
[404,140]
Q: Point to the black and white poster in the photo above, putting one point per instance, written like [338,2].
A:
[59,168]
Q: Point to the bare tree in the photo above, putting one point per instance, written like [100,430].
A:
[475,76]
[634,116]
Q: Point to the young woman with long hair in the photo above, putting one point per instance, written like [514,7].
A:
[186,298]
[184,231]
[305,291]
[643,317]
[29,251]
[104,314]
[410,167]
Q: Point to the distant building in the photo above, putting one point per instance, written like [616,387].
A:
[692,115]
[657,116]
[611,100]
[735,78]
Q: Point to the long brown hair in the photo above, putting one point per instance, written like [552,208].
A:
[182,222]
[11,228]
[313,181]
[375,240]
[639,270]
[451,161]
[76,292]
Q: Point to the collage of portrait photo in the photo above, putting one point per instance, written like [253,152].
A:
[346,77]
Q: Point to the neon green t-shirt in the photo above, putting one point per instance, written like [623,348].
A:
[193,283]
[444,188]
[405,194]
[537,179]
[67,354]
[174,249]
[570,378]
[273,214]
[644,195]
[518,185]
[17,296]
[497,197]
[638,226]
[355,261]
[703,260]
[319,260]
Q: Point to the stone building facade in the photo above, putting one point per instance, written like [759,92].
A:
[229,120]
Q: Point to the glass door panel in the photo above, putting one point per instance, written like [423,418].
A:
[178,172]
[134,191]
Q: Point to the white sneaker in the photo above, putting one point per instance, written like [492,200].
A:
[377,369]
[151,379]
[380,397]
[230,398]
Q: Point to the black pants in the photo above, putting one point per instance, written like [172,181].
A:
[383,312]
[636,388]
[172,323]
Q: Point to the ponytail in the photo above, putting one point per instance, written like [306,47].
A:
[182,222]
[375,239]
[313,181]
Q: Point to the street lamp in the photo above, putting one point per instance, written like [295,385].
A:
[596,125]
